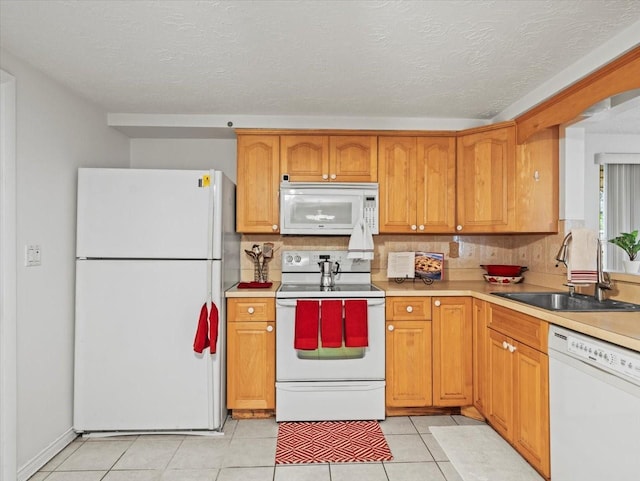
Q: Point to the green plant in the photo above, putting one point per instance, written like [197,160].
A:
[628,242]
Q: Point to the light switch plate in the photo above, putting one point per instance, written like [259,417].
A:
[32,255]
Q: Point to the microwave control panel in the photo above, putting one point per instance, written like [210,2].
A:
[370,212]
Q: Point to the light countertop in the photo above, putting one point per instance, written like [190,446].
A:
[621,328]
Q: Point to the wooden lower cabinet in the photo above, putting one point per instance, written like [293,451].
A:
[517,403]
[408,352]
[452,351]
[251,347]
[480,344]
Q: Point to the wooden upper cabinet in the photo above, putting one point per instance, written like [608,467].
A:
[486,180]
[257,206]
[436,184]
[353,158]
[323,158]
[417,184]
[304,157]
[537,182]
[397,167]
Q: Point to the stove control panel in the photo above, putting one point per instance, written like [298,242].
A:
[308,261]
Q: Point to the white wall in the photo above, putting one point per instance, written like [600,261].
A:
[219,154]
[57,132]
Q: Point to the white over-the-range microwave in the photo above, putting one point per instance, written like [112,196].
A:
[327,208]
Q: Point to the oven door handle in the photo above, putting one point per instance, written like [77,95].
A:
[292,302]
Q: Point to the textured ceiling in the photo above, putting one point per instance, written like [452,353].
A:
[453,59]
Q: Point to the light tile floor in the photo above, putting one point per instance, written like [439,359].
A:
[246,452]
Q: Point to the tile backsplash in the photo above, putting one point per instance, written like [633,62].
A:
[463,255]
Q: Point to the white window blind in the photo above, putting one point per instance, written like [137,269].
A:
[621,201]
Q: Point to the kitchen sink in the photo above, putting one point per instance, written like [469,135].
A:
[564,301]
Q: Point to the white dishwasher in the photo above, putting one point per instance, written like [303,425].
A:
[594,396]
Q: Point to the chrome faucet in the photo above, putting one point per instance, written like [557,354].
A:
[603,282]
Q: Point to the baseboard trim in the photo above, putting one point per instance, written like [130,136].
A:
[44,456]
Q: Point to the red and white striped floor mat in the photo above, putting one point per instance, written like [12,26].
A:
[331,442]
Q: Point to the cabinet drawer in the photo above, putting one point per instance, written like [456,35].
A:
[251,309]
[408,308]
[520,327]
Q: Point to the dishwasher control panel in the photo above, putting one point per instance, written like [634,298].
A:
[602,354]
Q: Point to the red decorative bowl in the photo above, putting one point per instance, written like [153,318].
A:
[502,280]
[504,270]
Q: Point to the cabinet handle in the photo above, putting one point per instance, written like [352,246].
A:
[437,303]
[421,227]
[512,348]
[269,328]
[390,327]
[458,227]
[413,227]
[251,310]
[333,176]
[505,344]
[274,227]
[325,176]
[409,309]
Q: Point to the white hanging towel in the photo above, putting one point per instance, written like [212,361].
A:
[583,250]
[360,242]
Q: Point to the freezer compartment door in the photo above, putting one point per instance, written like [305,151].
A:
[135,368]
[149,214]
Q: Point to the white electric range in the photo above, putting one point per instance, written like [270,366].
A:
[337,383]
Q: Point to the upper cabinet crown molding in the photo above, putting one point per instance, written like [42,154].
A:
[618,76]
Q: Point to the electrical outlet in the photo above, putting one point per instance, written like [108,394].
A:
[32,255]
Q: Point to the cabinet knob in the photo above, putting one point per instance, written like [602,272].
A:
[421,227]
[458,227]
[505,344]
[409,309]
[274,227]
[333,176]
[325,176]
[437,303]
[269,328]
[390,327]
[251,310]
[512,348]
[413,227]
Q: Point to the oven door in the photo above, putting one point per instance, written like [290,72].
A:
[330,364]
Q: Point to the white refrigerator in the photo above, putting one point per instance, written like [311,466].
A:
[153,247]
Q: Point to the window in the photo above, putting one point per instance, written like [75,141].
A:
[619,202]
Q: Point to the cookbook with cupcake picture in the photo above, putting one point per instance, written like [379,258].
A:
[429,265]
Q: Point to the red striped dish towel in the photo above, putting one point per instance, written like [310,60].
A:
[356,332]
[306,325]
[331,323]
[583,250]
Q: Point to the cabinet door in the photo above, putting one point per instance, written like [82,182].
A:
[408,365]
[397,172]
[305,157]
[537,190]
[436,184]
[499,409]
[480,346]
[251,364]
[257,206]
[531,406]
[353,158]
[486,181]
[452,351]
